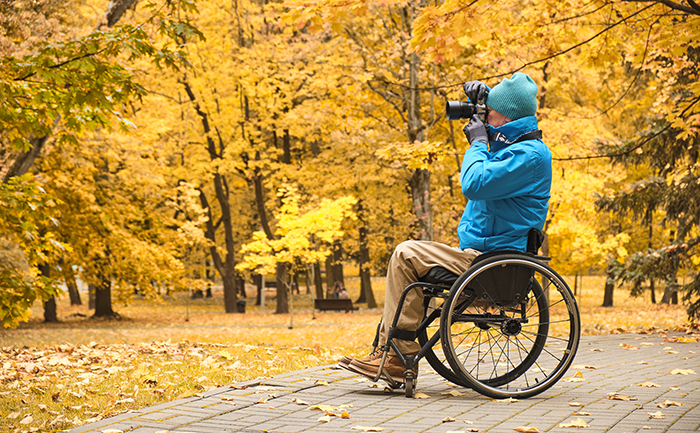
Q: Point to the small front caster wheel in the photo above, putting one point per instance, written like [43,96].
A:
[409,378]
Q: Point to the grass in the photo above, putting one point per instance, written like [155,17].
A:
[56,376]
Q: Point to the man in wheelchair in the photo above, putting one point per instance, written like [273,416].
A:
[506,174]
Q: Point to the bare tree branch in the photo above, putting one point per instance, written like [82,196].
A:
[694,9]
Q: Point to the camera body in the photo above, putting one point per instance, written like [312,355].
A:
[456,110]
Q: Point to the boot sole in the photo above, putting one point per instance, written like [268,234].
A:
[371,374]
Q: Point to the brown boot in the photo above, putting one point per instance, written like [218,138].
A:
[393,367]
[346,360]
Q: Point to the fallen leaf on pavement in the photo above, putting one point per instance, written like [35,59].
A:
[628,346]
[657,415]
[361,428]
[648,385]
[449,419]
[324,418]
[299,402]
[527,429]
[575,404]
[682,371]
[323,408]
[582,414]
[577,423]
[420,395]
[453,393]
[616,396]
[667,403]
[345,415]
[682,339]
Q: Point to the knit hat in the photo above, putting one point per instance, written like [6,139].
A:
[514,97]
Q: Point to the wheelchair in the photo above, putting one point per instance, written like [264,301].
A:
[509,326]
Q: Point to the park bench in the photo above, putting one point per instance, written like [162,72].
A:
[334,304]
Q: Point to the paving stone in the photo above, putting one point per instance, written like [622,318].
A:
[602,360]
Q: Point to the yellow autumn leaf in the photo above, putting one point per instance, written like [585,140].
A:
[616,396]
[577,423]
[420,395]
[682,371]
[648,385]
[656,415]
[531,429]
[323,408]
[667,403]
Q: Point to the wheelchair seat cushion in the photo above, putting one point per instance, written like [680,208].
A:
[439,275]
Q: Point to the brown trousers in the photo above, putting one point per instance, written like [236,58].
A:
[410,261]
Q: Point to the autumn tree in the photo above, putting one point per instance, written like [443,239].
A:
[56,92]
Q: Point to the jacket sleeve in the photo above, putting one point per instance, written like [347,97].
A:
[508,174]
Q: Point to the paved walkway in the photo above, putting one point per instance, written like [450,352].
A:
[653,386]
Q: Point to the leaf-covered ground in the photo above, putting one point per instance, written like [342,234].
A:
[54,377]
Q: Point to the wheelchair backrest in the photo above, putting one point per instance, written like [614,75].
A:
[506,284]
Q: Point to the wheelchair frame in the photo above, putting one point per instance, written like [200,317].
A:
[481,324]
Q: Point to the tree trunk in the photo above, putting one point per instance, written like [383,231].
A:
[73,292]
[420,193]
[225,267]
[609,287]
[281,284]
[337,265]
[240,282]
[420,179]
[366,293]
[230,290]
[329,275]
[258,281]
[103,300]
[318,280]
[92,289]
[50,315]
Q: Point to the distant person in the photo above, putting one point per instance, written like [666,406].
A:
[338,288]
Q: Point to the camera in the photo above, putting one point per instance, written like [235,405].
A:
[456,110]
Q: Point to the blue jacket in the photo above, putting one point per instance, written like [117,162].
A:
[507,187]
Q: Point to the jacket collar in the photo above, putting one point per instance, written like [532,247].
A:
[507,134]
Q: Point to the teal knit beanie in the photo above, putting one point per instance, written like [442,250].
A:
[514,97]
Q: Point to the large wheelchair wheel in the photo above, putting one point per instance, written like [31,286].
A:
[510,327]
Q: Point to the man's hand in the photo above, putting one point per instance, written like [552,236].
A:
[475,91]
[476,131]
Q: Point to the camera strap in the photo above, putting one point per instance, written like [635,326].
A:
[532,135]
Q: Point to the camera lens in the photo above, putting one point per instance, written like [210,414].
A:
[455,110]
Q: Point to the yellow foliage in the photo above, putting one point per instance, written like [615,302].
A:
[301,237]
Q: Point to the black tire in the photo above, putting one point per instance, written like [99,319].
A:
[410,386]
[504,348]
